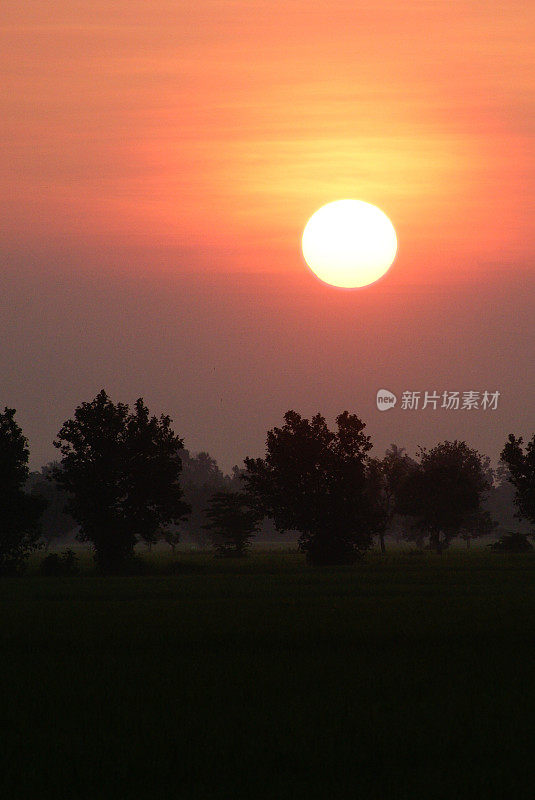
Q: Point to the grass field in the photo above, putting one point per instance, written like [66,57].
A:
[404,677]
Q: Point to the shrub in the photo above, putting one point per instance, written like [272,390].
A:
[56,565]
[512,542]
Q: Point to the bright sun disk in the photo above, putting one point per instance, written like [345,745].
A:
[349,243]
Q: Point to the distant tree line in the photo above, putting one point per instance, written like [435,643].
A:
[124,477]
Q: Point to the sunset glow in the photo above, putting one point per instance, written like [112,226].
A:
[159,163]
[143,126]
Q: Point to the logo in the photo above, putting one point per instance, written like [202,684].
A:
[385,400]
[451,401]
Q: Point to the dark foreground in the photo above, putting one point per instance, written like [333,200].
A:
[409,678]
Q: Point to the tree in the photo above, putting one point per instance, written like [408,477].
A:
[121,470]
[521,465]
[233,520]
[476,525]
[500,502]
[385,479]
[380,500]
[445,492]
[200,479]
[20,512]
[172,537]
[313,480]
[481,522]
[55,523]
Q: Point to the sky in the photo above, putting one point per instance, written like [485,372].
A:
[159,161]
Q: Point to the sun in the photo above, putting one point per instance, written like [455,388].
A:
[349,243]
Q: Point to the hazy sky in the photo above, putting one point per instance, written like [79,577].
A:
[158,162]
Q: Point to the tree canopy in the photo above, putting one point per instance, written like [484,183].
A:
[444,493]
[521,465]
[313,480]
[20,512]
[121,471]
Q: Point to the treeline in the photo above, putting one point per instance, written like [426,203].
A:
[200,478]
[123,477]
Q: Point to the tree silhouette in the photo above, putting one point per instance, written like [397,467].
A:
[55,523]
[380,500]
[501,502]
[172,535]
[445,492]
[476,525]
[232,522]
[313,480]
[121,470]
[384,480]
[20,512]
[200,479]
[521,465]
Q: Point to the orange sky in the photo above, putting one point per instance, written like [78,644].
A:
[206,132]
[158,163]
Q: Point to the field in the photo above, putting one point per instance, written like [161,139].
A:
[404,677]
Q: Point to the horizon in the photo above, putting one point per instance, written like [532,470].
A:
[223,394]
